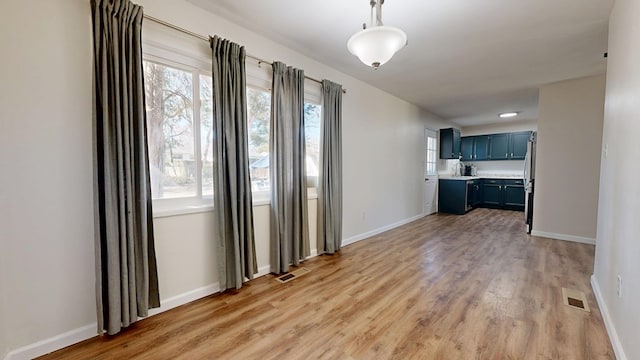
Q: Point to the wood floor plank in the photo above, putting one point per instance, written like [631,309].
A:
[442,287]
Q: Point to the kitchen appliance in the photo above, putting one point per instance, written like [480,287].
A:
[470,170]
[529,180]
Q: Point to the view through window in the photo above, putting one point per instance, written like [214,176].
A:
[312,116]
[432,152]
[258,118]
[179,129]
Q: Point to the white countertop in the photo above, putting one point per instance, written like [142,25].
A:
[482,176]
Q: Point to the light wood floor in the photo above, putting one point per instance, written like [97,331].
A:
[442,287]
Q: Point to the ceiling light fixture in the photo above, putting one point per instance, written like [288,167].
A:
[377,44]
[508,114]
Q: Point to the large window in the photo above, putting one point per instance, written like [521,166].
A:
[312,116]
[258,118]
[179,125]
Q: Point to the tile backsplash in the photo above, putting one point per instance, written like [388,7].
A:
[485,168]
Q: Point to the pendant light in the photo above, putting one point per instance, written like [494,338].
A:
[377,44]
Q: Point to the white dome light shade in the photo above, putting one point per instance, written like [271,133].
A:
[376,45]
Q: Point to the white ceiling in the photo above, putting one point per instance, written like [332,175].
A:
[466,61]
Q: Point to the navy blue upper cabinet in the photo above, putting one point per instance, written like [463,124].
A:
[518,145]
[467,148]
[507,146]
[481,147]
[449,143]
[475,148]
[499,147]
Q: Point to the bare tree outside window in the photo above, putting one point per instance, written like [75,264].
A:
[169,101]
[312,113]
[258,117]
[206,134]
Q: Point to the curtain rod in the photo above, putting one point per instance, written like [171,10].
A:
[206,38]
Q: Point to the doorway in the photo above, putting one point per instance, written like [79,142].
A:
[430,171]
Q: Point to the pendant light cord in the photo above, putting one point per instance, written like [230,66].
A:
[378,6]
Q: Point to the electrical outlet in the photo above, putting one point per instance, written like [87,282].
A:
[606,150]
[619,288]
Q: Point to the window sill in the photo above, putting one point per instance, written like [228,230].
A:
[184,210]
[167,211]
[263,198]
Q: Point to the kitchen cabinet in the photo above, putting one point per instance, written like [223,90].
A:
[518,144]
[499,147]
[482,147]
[503,194]
[474,148]
[507,146]
[467,148]
[452,196]
[449,143]
[462,194]
[514,194]
[492,192]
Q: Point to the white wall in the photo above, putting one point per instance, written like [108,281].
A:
[570,119]
[45,146]
[47,256]
[617,246]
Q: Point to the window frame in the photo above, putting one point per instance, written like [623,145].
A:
[312,190]
[433,151]
[199,202]
[171,49]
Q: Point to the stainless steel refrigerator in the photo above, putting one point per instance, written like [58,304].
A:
[529,180]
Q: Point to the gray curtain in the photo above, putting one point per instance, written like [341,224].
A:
[330,181]
[126,274]
[289,219]
[231,180]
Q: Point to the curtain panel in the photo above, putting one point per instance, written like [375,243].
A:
[289,218]
[330,180]
[126,272]
[231,180]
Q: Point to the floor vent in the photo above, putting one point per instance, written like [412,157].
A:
[292,275]
[575,299]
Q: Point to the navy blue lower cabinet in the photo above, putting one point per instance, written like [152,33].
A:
[452,196]
[503,194]
[492,193]
[459,196]
[514,194]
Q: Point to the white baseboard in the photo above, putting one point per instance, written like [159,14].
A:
[185,298]
[608,322]
[573,238]
[60,341]
[262,271]
[86,332]
[54,343]
[377,231]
